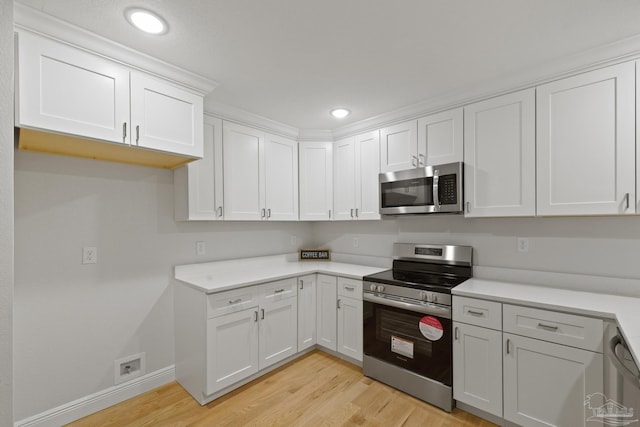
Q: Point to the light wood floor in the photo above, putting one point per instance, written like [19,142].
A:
[315,390]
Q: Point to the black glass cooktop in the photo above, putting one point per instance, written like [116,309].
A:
[436,277]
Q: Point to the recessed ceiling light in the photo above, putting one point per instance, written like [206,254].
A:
[340,113]
[146,21]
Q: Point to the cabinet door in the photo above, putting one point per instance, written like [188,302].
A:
[367,168]
[327,311]
[281,175]
[243,175]
[548,384]
[440,138]
[344,178]
[67,90]
[499,156]
[316,180]
[350,327]
[477,367]
[165,117]
[586,145]
[278,331]
[198,185]
[232,349]
[399,147]
[306,311]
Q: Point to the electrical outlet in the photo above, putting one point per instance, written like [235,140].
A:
[356,243]
[522,244]
[294,240]
[130,367]
[89,255]
[201,248]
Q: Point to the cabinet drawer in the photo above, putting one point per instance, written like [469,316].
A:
[231,301]
[487,314]
[350,288]
[277,291]
[568,329]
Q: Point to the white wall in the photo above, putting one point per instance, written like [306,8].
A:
[72,320]
[602,246]
[6,212]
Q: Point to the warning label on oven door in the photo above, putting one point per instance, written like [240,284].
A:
[431,328]
[402,346]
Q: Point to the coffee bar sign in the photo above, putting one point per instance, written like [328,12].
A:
[315,255]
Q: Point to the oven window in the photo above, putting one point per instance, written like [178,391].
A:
[414,341]
[410,192]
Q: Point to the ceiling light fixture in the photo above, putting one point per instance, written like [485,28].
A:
[340,112]
[146,21]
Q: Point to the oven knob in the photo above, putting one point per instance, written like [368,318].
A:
[380,288]
[423,295]
[372,287]
[434,298]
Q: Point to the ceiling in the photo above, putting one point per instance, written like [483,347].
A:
[292,60]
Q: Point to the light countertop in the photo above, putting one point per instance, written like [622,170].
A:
[625,310]
[211,277]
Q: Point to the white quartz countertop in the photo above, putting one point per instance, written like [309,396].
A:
[624,310]
[211,277]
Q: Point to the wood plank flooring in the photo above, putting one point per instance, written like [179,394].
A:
[315,390]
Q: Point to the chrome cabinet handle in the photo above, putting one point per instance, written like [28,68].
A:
[357,212]
[352,213]
[278,291]
[468,207]
[255,316]
[220,211]
[301,284]
[421,159]
[455,334]
[235,301]
[436,195]
[124,132]
[508,345]
[329,213]
[475,313]
[414,161]
[137,133]
[262,313]
[262,212]
[350,288]
[339,303]
[269,213]
[549,327]
[626,197]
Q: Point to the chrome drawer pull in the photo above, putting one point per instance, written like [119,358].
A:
[278,291]
[508,345]
[255,316]
[350,288]
[549,327]
[475,313]
[455,334]
[301,284]
[235,301]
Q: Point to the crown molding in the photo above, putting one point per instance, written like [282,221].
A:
[240,116]
[609,54]
[29,19]
[315,135]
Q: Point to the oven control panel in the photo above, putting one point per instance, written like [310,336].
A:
[429,296]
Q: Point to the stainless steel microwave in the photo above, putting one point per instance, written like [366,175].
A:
[431,189]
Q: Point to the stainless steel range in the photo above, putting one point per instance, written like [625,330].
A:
[407,334]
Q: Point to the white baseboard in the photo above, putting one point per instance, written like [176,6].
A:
[88,405]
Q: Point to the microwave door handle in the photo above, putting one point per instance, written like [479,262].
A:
[436,197]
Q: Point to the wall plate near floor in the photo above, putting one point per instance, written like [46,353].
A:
[130,367]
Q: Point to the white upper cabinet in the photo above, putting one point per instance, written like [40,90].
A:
[74,93]
[316,180]
[260,175]
[198,185]
[281,178]
[165,117]
[68,90]
[399,147]
[586,143]
[440,138]
[356,170]
[499,156]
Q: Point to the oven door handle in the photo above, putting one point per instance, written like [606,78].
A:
[433,309]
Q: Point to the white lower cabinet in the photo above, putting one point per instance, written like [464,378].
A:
[306,311]
[525,365]
[327,311]
[232,349]
[546,384]
[278,322]
[350,318]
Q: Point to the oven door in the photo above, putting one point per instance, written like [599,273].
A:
[416,337]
